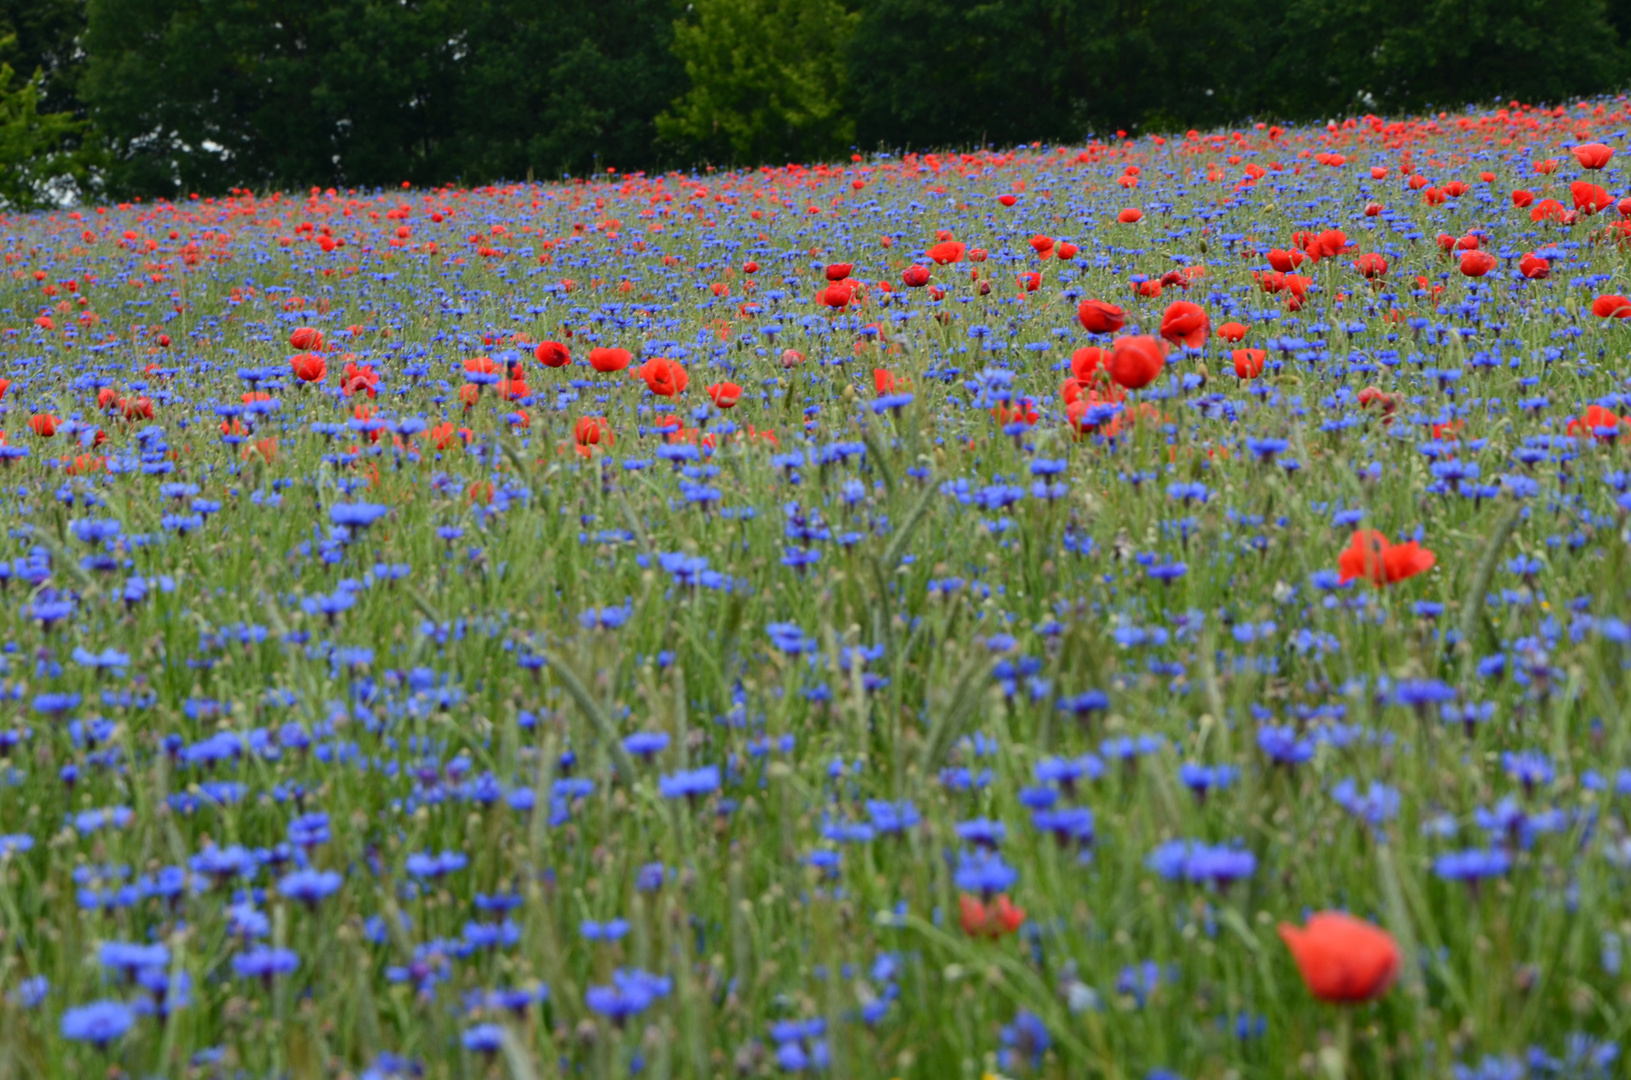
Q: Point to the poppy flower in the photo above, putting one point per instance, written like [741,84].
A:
[1589,198]
[947,251]
[838,295]
[1370,556]
[1477,263]
[43,424]
[607,361]
[1098,317]
[1030,282]
[1186,324]
[1522,199]
[1249,362]
[724,394]
[1019,411]
[306,339]
[592,431]
[1611,306]
[1042,245]
[1371,265]
[1595,419]
[308,367]
[1232,332]
[1007,200]
[1534,267]
[989,920]
[838,271]
[553,354]
[1066,252]
[1136,361]
[1086,363]
[915,276]
[885,381]
[1130,216]
[1285,261]
[1342,959]
[1548,210]
[1377,172]
[664,377]
[1592,155]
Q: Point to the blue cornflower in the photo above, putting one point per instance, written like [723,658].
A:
[99,1023]
[309,886]
[689,783]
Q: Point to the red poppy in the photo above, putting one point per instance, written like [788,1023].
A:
[724,394]
[308,367]
[1066,252]
[915,276]
[592,431]
[1130,216]
[1477,263]
[607,361]
[1589,198]
[989,920]
[1249,362]
[1285,261]
[1030,282]
[1371,265]
[791,358]
[1232,332]
[1186,324]
[1370,556]
[1086,363]
[947,251]
[43,424]
[838,271]
[1098,317]
[1136,360]
[1611,306]
[1592,155]
[1522,199]
[1342,959]
[839,295]
[664,377]
[1596,418]
[885,381]
[1328,244]
[1534,267]
[307,339]
[553,354]
[1549,210]
[1019,411]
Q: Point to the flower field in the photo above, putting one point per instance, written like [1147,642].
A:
[1143,609]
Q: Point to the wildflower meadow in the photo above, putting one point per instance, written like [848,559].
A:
[1145,609]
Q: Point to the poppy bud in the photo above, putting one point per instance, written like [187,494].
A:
[915,276]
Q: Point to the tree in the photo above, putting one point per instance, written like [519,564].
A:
[569,86]
[766,80]
[35,164]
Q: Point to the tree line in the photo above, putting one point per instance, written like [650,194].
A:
[160,97]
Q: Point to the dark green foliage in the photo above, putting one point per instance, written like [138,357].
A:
[206,94]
